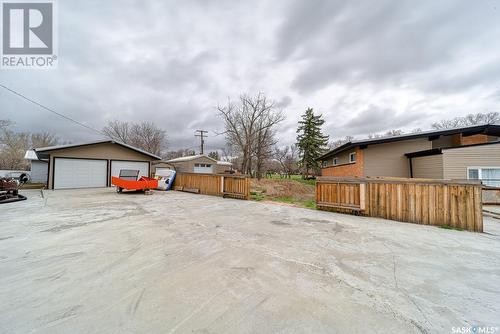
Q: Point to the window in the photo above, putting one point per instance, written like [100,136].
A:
[473,174]
[352,157]
[490,176]
[335,161]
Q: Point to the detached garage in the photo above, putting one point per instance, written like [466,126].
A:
[92,164]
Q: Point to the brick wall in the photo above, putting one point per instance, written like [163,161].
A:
[350,169]
[475,139]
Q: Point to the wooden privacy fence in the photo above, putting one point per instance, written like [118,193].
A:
[430,202]
[235,186]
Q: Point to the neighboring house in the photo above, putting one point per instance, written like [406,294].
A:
[200,164]
[462,153]
[92,164]
[160,165]
[39,168]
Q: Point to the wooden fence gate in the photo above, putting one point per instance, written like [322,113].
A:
[431,202]
[234,186]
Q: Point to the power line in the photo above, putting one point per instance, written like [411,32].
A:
[201,134]
[51,110]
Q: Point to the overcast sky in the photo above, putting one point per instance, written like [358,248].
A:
[367,66]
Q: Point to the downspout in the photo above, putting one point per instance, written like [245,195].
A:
[411,167]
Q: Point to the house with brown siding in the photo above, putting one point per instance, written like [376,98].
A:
[462,153]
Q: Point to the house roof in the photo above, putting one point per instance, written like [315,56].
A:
[30,155]
[487,129]
[189,158]
[440,150]
[103,141]
[194,157]
[224,163]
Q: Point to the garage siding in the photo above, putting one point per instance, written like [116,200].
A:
[107,151]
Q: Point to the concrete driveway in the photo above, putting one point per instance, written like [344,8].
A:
[93,261]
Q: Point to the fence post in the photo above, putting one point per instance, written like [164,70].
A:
[222,185]
[362,203]
[247,188]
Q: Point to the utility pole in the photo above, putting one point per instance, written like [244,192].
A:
[202,135]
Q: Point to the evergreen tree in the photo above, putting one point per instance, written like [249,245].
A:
[214,155]
[310,141]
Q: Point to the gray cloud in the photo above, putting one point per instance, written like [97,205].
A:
[284,102]
[384,42]
[368,67]
[375,119]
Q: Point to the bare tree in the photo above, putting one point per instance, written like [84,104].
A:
[264,143]
[148,137]
[287,158]
[265,140]
[12,149]
[4,123]
[13,145]
[43,139]
[249,126]
[118,130]
[145,135]
[470,119]
[390,133]
[228,153]
[479,118]
[183,152]
[339,142]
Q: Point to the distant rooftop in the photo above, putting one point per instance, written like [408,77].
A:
[30,155]
[194,157]
[225,163]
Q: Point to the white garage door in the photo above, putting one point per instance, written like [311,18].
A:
[203,168]
[79,173]
[116,166]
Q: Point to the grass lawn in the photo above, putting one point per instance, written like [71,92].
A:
[294,178]
[293,190]
[308,203]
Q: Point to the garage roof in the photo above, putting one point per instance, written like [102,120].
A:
[103,141]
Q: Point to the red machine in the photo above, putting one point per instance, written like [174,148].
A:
[129,180]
